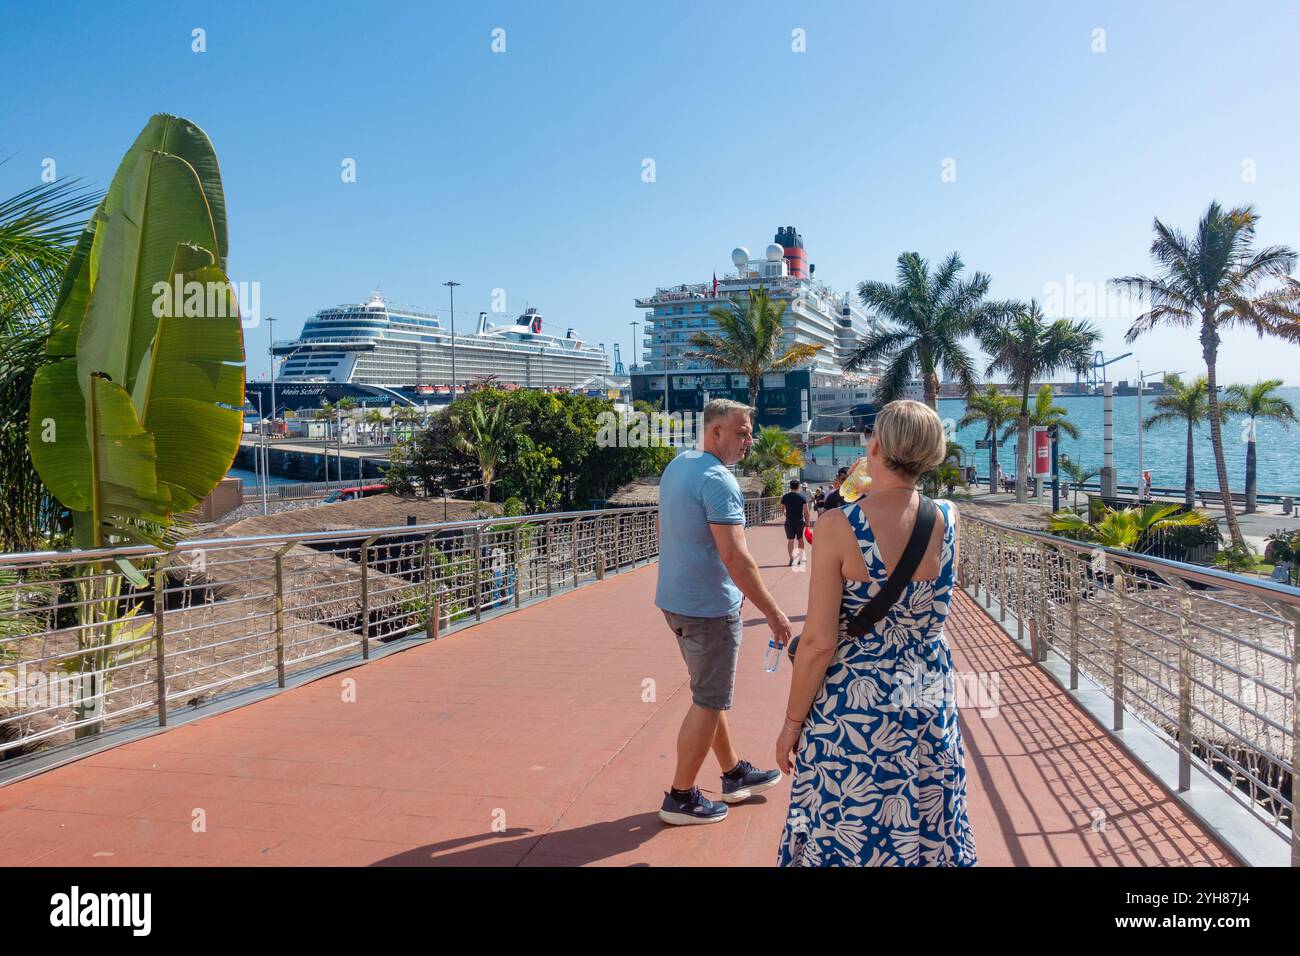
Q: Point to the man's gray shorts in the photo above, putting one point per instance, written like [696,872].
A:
[710,647]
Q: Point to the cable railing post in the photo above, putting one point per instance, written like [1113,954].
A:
[1002,576]
[1184,693]
[1020,591]
[365,597]
[430,604]
[548,527]
[1043,627]
[519,566]
[575,551]
[986,570]
[160,652]
[478,572]
[1076,585]
[279,615]
[1292,615]
[1117,664]
[599,555]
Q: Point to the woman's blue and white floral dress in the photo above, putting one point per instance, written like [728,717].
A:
[880,770]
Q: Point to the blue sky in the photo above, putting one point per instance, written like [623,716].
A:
[522,170]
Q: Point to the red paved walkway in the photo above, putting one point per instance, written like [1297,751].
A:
[526,740]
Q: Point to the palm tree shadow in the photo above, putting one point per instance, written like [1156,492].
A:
[575,847]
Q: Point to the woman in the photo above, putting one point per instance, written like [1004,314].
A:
[879,776]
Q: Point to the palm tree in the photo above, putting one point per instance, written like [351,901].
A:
[1255,402]
[375,419]
[1027,348]
[37,230]
[1078,476]
[484,435]
[772,448]
[1045,414]
[944,477]
[929,317]
[1122,529]
[749,340]
[994,410]
[1209,282]
[1183,402]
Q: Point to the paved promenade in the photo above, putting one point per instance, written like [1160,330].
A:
[546,738]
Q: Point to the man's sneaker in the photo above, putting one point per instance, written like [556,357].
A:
[695,809]
[746,780]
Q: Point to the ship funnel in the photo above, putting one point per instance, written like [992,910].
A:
[482,323]
[788,238]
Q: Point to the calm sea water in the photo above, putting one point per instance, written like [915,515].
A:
[252,478]
[1164,447]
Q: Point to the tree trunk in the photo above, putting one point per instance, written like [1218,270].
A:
[993,460]
[1250,470]
[1210,347]
[930,381]
[1022,458]
[1189,476]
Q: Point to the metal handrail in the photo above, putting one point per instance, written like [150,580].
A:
[1187,572]
[227,613]
[1208,659]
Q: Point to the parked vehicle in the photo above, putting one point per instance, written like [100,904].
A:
[352,494]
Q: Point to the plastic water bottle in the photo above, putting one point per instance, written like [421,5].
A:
[772,659]
[858,481]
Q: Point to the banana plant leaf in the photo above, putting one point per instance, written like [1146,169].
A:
[164,133]
[160,205]
[188,392]
[125,467]
[94,455]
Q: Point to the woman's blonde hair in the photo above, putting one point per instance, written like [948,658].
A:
[910,436]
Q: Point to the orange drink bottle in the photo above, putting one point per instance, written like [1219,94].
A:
[858,483]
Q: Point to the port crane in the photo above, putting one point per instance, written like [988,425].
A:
[618,361]
[1096,370]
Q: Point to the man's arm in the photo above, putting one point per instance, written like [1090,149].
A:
[730,541]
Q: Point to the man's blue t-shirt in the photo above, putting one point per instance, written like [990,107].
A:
[696,490]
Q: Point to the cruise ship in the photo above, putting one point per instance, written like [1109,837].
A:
[820,394]
[377,344]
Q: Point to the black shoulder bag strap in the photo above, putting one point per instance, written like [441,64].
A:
[879,606]
[885,598]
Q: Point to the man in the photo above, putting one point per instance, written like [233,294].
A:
[795,506]
[833,500]
[704,569]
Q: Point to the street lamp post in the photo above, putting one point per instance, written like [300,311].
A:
[270,335]
[1142,377]
[259,463]
[451,288]
[634,324]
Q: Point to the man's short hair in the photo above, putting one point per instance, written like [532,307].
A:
[720,409]
[842,473]
[794,484]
